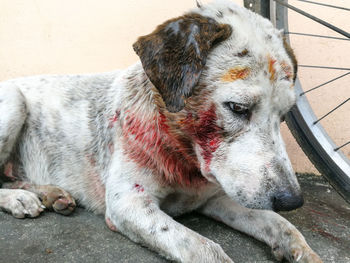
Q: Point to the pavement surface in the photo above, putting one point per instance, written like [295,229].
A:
[324,220]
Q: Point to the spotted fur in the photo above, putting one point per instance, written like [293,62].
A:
[193,126]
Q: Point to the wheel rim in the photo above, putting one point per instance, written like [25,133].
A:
[336,166]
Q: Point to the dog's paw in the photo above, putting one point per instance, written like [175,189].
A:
[21,203]
[57,199]
[212,253]
[296,249]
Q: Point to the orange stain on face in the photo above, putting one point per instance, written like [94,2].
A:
[272,69]
[235,73]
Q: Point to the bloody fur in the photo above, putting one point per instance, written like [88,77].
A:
[166,146]
[139,188]
[114,119]
[206,133]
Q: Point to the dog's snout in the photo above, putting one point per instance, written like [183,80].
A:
[286,201]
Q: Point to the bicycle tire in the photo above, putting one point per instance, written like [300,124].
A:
[311,137]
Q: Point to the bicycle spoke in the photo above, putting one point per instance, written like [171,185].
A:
[323,67]
[313,35]
[322,22]
[341,104]
[336,149]
[332,6]
[323,84]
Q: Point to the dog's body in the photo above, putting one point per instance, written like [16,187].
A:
[194,127]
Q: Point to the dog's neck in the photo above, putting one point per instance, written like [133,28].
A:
[153,137]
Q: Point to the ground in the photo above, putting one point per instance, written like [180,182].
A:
[324,220]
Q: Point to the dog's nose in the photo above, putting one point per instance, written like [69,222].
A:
[286,201]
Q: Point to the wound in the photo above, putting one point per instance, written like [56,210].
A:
[155,143]
[235,74]
[139,188]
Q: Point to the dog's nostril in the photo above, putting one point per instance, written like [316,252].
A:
[286,201]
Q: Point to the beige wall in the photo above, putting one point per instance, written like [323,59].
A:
[65,36]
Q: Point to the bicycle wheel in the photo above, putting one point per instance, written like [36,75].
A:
[302,121]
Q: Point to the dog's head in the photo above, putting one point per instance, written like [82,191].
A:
[226,78]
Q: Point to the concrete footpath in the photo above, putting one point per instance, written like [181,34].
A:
[83,237]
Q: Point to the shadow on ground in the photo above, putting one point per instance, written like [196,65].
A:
[83,237]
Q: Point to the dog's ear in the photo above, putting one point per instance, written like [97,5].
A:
[174,55]
[292,57]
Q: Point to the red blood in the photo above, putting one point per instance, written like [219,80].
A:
[206,133]
[139,188]
[152,144]
[114,118]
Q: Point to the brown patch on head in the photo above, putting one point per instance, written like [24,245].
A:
[292,57]
[174,55]
[243,53]
[235,73]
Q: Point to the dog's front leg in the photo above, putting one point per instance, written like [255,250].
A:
[135,213]
[267,226]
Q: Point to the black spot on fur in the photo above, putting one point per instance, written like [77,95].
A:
[219,14]
[174,55]
[231,11]
[165,228]
[231,218]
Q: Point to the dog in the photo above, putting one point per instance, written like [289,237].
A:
[193,126]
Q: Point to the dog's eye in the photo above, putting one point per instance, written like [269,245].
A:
[283,118]
[238,108]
